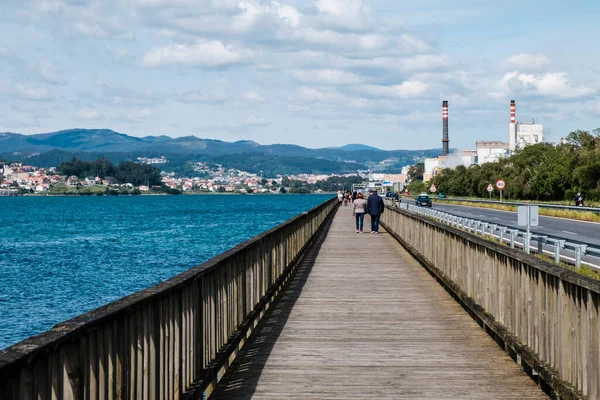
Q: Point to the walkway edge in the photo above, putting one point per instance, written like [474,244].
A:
[548,380]
[205,387]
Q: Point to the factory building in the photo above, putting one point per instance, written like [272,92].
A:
[522,134]
[434,165]
[490,151]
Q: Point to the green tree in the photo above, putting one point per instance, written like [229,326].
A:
[415,172]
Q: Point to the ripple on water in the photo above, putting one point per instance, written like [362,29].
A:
[60,257]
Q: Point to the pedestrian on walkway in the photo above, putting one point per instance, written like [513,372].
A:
[359,210]
[375,208]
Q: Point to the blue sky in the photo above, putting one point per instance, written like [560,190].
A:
[316,73]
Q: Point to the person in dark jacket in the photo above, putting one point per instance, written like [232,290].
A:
[375,208]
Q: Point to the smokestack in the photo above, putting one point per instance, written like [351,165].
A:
[445,139]
[512,112]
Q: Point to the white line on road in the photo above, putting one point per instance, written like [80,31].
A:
[570,233]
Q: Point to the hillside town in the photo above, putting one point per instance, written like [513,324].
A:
[18,178]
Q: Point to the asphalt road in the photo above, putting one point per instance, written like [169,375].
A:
[570,230]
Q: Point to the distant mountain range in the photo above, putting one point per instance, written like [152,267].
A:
[48,149]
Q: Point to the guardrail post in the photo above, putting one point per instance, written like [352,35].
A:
[502,231]
[577,255]
[484,228]
[513,233]
[493,229]
[541,242]
[558,244]
[527,242]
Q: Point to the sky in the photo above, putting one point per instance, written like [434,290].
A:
[317,73]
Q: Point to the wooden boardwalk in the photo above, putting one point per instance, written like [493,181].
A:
[362,319]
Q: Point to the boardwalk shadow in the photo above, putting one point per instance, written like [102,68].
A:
[241,379]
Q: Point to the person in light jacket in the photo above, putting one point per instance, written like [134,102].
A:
[375,208]
[359,210]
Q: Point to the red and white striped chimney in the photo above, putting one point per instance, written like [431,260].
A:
[445,138]
[513,120]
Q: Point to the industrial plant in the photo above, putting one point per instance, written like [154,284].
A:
[520,134]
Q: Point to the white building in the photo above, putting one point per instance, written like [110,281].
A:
[488,151]
[434,165]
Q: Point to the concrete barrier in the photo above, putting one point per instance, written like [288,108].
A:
[174,340]
[546,317]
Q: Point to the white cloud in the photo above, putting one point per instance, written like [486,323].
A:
[48,72]
[88,113]
[203,53]
[316,96]
[424,62]
[527,62]
[90,29]
[257,121]
[554,84]
[287,14]
[351,14]
[253,97]
[31,93]
[119,54]
[405,90]
[144,113]
[327,76]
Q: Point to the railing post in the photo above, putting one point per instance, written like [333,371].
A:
[558,244]
[541,242]
[502,231]
[577,255]
[512,238]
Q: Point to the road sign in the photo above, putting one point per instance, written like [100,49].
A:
[500,184]
[534,219]
[528,216]
[490,188]
[433,189]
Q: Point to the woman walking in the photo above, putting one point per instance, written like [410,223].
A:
[358,211]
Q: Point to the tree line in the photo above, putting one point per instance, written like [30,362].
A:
[124,172]
[543,172]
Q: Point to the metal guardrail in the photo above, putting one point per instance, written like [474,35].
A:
[508,235]
[514,203]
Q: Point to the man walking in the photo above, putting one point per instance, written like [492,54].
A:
[375,208]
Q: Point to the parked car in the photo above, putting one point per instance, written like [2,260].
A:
[442,195]
[423,201]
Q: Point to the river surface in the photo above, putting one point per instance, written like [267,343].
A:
[63,256]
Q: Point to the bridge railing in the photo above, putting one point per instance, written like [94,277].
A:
[546,317]
[171,341]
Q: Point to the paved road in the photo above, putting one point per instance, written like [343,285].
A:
[572,231]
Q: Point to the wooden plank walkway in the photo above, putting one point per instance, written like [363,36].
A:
[362,319]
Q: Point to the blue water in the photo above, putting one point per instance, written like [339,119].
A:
[63,256]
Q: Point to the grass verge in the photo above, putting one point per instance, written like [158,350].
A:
[569,214]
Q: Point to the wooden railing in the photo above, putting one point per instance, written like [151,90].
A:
[546,317]
[173,340]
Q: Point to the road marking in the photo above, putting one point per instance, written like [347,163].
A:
[570,233]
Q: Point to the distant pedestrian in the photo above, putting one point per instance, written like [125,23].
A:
[340,196]
[354,195]
[359,210]
[375,208]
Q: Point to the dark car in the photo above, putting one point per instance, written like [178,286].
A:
[441,195]
[424,201]
[392,195]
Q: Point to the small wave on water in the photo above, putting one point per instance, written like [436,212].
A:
[103,248]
